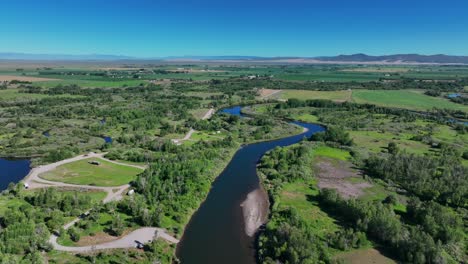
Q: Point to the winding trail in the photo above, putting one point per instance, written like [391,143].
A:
[114,193]
[187,136]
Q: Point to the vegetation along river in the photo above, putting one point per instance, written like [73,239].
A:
[222,230]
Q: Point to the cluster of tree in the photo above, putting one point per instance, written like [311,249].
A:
[237,84]
[71,204]
[289,239]
[334,134]
[179,180]
[431,178]
[25,229]
[425,241]
[460,100]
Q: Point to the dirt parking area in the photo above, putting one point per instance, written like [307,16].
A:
[339,175]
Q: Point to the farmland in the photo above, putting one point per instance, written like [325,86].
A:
[404,99]
[143,108]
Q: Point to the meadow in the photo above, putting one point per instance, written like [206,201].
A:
[83,173]
[413,100]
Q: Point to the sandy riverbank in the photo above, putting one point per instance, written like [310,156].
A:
[255,210]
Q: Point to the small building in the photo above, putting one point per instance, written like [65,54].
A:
[26,185]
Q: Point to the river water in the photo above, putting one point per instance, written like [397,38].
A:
[13,170]
[216,232]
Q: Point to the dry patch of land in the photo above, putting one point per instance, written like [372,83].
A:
[255,210]
[8,78]
[264,93]
[338,175]
[100,237]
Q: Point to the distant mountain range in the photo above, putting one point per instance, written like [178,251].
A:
[410,58]
[343,59]
[63,57]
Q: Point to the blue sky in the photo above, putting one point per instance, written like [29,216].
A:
[145,28]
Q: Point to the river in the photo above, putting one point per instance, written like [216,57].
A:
[216,233]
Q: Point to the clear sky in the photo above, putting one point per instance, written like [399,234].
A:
[146,28]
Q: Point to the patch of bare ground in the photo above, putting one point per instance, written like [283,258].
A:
[99,238]
[255,210]
[267,92]
[338,174]
[9,78]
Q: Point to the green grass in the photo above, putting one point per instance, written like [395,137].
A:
[10,202]
[296,195]
[91,83]
[376,141]
[334,153]
[305,118]
[97,227]
[60,257]
[404,99]
[83,173]
[364,256]
[96,196]
[15,95]
[304,95]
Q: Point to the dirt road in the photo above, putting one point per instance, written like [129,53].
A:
[139,236]
[115,193]
[187,136]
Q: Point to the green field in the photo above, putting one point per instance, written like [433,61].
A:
[376,141]
[305,95]
[404,99]
[83,173]
[297,195]
[305,118]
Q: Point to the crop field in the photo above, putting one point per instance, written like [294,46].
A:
[84,173]
[328,95]
[16,95]
[7,78]
[404,99]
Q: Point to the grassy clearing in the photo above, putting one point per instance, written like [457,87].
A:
[329,95]
[14,94]
[364,256]
[305,118]
[297,195]
[96,196]
[83,173]
[91,83]
[97,230]
[404,99]
[334,153]
[376,141]
[199,113]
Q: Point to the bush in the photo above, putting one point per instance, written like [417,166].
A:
[74,234]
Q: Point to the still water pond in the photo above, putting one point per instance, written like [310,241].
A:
[13,170]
